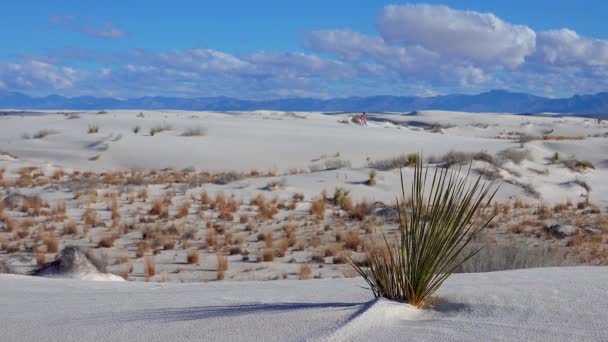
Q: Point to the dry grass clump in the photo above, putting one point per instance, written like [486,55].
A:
[352,240]
[25,177]
[404,160]
[89,216]
[149,267]
[317,208]
[183,210]
[51,243]
[205,200]
[305,272]
[211,239]
[266,210]
[192,256]
[57,175]
[40,257]
[33,205]
[169,244]
[115,209]
[281,248]
[107,241]
[359,211]
[159,208]
[290,233]
[142,248]
[267,254]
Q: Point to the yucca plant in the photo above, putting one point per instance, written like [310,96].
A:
[430,242]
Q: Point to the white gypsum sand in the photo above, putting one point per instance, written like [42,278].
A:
[551,304]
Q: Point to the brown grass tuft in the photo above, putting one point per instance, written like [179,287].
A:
[149,267]
[159,208]
[40,257]
[70,228]
[192,256]
[317,208]
[281,248]
[211,239]
[360,211]
[89,216]
[107,241]
[115,210]
[222,263]
[205,198]
[183,210]
[142,248]
[51,242]
[305,272]
[352,240]
[267,254]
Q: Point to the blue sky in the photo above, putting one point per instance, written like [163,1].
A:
[272,49]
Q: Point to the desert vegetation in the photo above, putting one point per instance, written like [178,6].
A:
[431,238]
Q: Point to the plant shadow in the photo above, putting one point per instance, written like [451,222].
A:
[205,312]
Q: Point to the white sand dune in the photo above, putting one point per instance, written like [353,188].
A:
[279,141]
[551,304]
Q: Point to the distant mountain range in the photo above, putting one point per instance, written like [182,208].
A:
[492,101]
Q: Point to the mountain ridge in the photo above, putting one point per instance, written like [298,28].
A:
[490,101]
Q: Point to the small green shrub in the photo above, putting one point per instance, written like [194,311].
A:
[371,181]
[431,238]
[136,129]
[584,164]
[339,194]
[93,129]
[43,133]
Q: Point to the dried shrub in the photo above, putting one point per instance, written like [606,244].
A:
[267,254]
[192,256]
[360,211]
[40,257]
[51,243]
[204,198]
[115,210]
[149,267]
[305,272]
[317,208]
[159,208]
[183,210]
[211,239]
[281,248]
[222,263]
[404,160]
[352,240]
[107,241]
[142,248]
[89,216]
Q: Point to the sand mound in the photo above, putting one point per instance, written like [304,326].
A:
[73,262]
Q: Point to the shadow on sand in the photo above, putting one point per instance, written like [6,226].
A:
[204,312]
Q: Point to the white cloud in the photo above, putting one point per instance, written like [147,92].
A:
[478,37]
[34,73]
[565,47]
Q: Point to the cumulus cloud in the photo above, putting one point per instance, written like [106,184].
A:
[479,37]
[565,47]
[418,49]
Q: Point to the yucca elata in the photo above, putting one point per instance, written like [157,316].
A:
[430,242]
